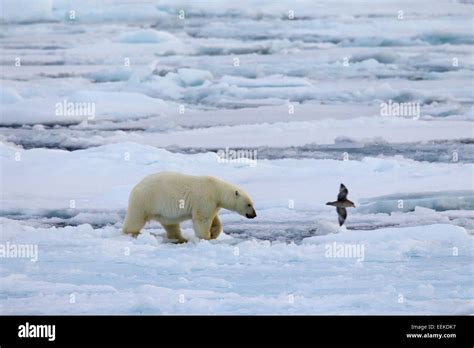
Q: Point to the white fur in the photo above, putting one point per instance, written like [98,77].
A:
[171,198]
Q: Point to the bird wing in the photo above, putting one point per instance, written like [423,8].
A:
[341,214]
[342,193]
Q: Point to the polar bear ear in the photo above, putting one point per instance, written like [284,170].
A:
[236,193]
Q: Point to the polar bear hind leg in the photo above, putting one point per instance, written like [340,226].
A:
[174,232]
[134,221]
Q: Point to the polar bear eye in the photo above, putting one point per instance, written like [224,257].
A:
[249,205]
[236,193]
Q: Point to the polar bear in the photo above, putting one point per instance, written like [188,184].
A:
[171,198]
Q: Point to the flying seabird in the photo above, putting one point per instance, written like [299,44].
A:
[341,204]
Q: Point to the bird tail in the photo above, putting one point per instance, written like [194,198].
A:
[331,203]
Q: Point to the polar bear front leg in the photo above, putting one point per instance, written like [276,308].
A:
[216,227]
[202,227]
[174,232]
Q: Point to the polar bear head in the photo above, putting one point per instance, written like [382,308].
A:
[244,205]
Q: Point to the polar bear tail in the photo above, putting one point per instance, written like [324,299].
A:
[134,220]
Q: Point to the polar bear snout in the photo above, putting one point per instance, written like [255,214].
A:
[251,215]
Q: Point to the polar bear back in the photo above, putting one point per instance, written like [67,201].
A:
[173,195]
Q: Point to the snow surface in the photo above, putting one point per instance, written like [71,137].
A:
[208,274]
[107,272]
[304,93]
